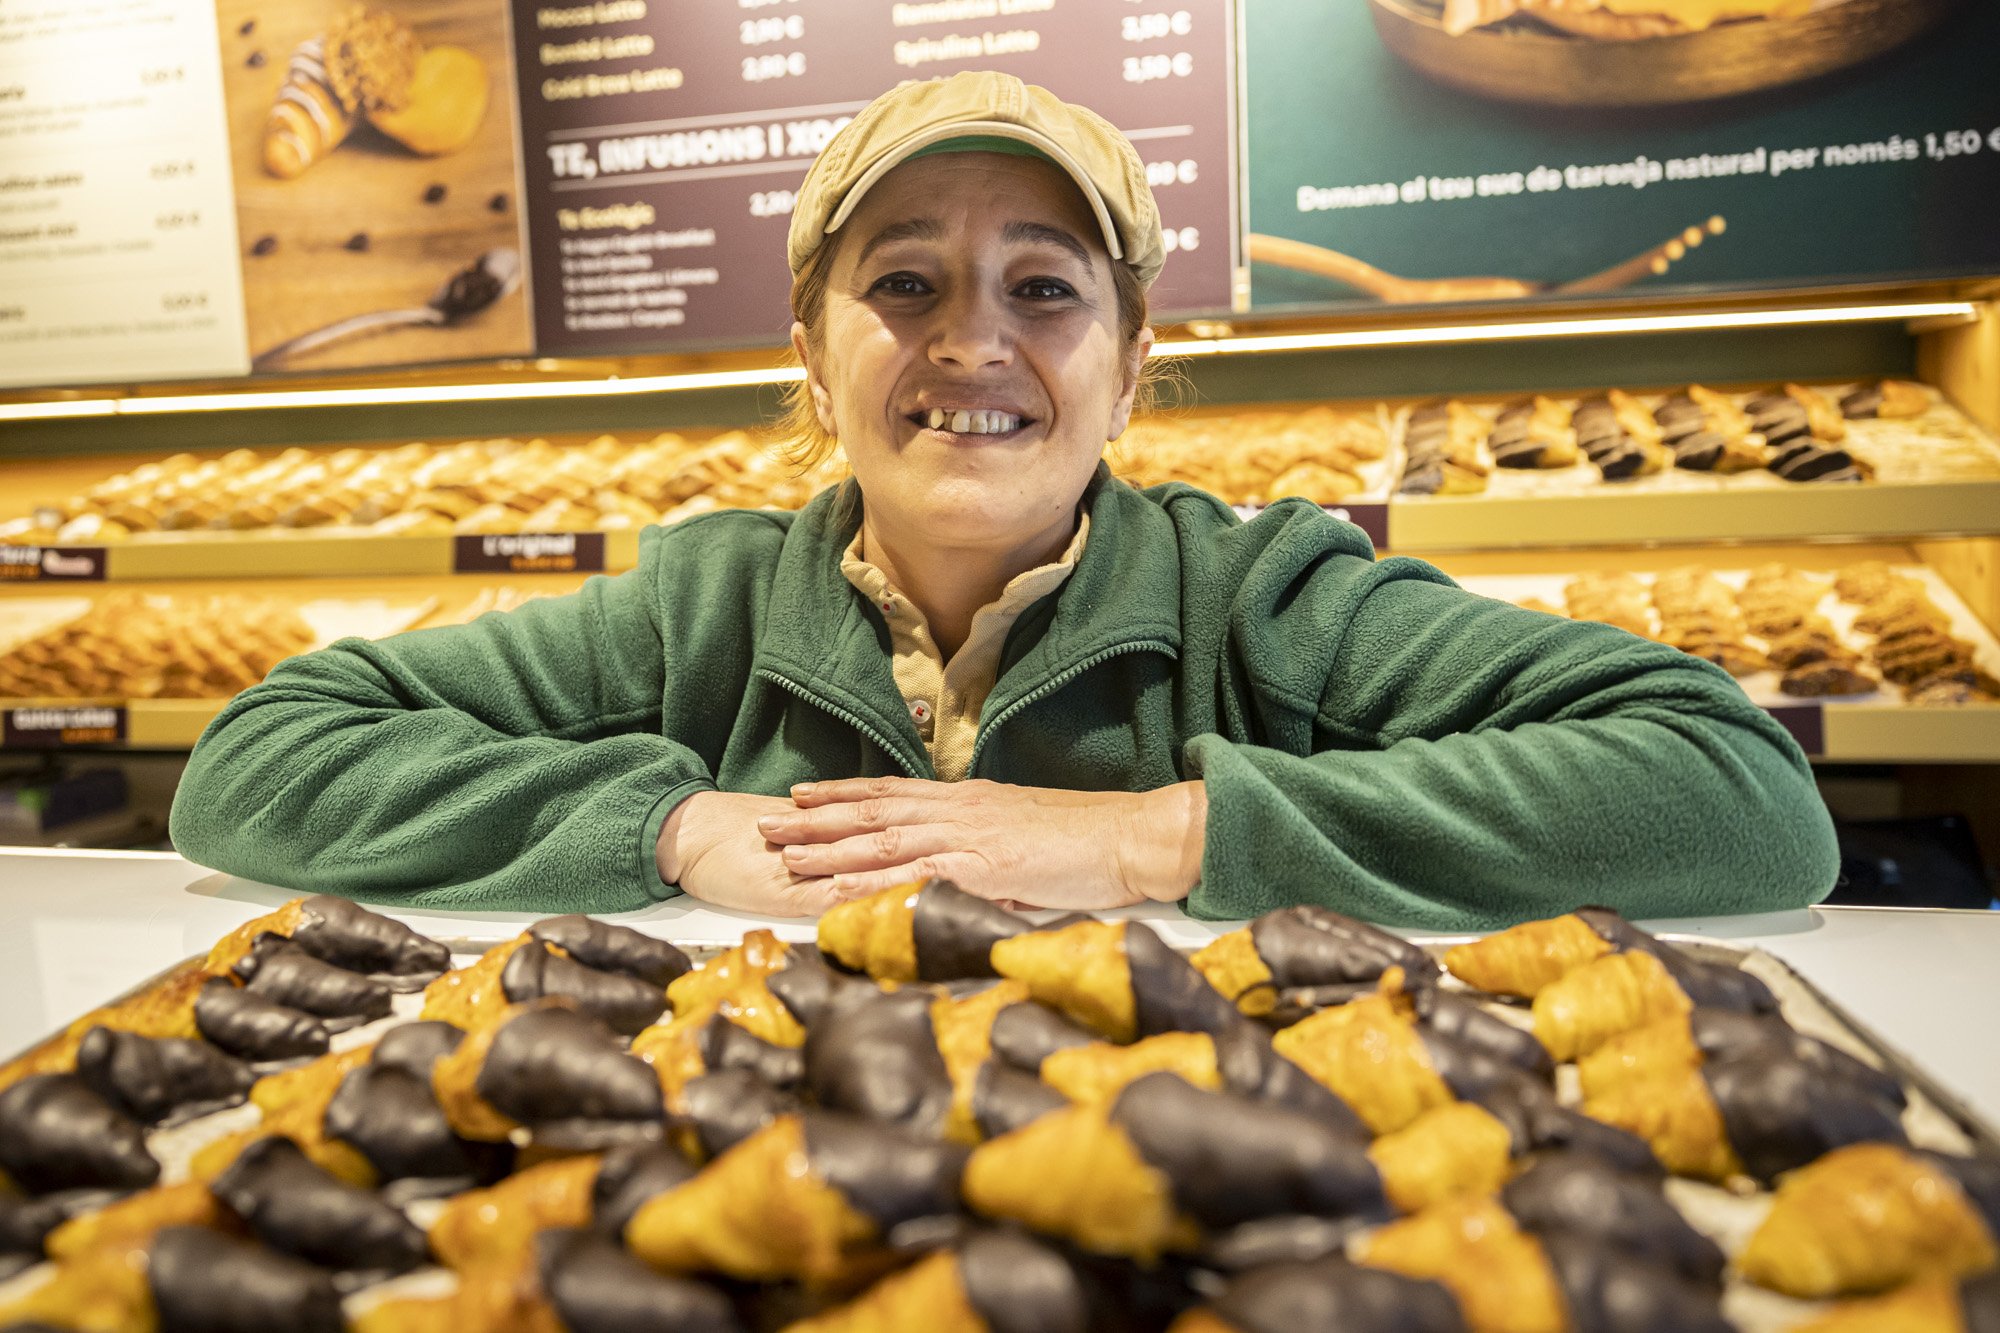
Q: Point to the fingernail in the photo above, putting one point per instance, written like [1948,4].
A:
[770,823]
[795,853]
[803,789]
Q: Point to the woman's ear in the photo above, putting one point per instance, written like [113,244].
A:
[1128,389]
[822,400]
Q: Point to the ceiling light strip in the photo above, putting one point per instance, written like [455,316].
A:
[387,396]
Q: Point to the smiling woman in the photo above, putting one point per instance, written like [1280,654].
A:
[984,658]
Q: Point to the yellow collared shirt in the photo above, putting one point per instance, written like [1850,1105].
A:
[944,698]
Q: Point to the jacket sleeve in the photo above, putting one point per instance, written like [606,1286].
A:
[513,763]
[1474,764]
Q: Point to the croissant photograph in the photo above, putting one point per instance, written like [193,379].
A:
[372,150]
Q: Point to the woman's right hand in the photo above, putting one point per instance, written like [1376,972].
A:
[710,846]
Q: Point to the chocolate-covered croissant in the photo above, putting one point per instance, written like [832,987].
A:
[628,1177]
[1758,1111]
[877,1057]
[1116,978]
[1938,1305]
[57,1134]
[991,1282]
[1684,1042]
[345,934]
[703,1041]
[809,1196]
[296,1207]
[1024,1033]
[596,1286]
[254,1027]
[134,1220]
[726,1107]
[1619,992]
[1146,1173]
[927,931]
[622,1003]
[1507,1279]
[185,1280]
[1870,1216]
[156,1079]
[554,1071]
[1330,1294]
[1303,947]
[165,1008]
[612,948]
[1580,1193]
[25,1224]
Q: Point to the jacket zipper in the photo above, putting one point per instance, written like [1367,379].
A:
[851,719]
[1055,683]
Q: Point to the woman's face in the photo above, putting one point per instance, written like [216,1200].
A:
[972,367]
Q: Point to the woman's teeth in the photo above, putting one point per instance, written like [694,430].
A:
[973,423]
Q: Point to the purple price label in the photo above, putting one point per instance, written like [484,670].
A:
[1806,722]
[528,553]
[1372,519]
[54,728]
[37,564]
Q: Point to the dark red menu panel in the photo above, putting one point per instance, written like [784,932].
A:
[662,140]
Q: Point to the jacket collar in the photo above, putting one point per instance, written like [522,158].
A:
[824,635]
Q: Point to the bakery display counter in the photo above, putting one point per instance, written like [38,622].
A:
[150,669]
[345,1118]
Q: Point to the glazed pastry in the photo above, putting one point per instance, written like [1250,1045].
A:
[496,1226]
[255,1028]
[613,948]
[738,979]
[1508,1280]
[1119,980]
[295,1207]
[365,62]
[1303,947]
[1328,1293]
[704,1041]
[57,1134]
[1936,1306]
[596,1286]
[1795,411]
[928,931]
[1818,680]
[724,1108]
[1523,959]
[1453,1149]
[624,1004]
[1137,1176]
[1024,1033]
[1616,993]
[293,1105]
[557,1073]
[1886,398]
[1372,1057]
[133,1221]
[532,966]
[345,934]
[1533,433]
[1581,1194]
[1873,1216]
[628,1177]
[1619,436]
[186,1280]
[877,1057]
[161,1079]
[809,1196]
[1675,1044]
[1758,1111]
[25,1226]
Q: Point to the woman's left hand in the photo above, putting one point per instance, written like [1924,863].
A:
[1036,846]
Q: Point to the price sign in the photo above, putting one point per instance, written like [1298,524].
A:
[55,728]
[529,553]
[39,564]
[662,180]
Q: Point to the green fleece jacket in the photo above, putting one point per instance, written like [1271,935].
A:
[1373,738]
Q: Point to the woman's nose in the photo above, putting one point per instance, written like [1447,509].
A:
[973,332]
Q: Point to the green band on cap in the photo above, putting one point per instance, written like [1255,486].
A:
[982,143]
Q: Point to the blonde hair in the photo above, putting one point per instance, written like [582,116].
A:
[806,444]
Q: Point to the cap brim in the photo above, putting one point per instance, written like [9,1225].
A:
[963,129]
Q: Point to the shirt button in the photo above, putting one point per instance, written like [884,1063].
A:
[921,711]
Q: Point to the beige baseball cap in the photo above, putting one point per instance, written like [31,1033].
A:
[991,111]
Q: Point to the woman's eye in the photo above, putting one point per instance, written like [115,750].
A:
[1046,289]
[900,284]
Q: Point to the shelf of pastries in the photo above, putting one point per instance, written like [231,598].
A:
[1691,464]
[1865,653]
[150,669]
[414,508]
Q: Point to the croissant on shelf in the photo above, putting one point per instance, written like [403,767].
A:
[1709,433]
[1533,433]
[1873,1216]
[145,646]
[1619,436]
[1444,451]
[1935,1306]
[1256,456]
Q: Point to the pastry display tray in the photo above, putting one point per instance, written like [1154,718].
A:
[1935,1118]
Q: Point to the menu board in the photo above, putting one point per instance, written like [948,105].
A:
[663,140]
[117,238]
[1546,149]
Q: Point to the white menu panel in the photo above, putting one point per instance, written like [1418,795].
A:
[118,254]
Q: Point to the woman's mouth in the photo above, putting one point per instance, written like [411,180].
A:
[969,421]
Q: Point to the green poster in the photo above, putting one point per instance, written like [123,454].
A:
[1440,151]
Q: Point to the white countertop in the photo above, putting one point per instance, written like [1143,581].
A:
[78,928]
